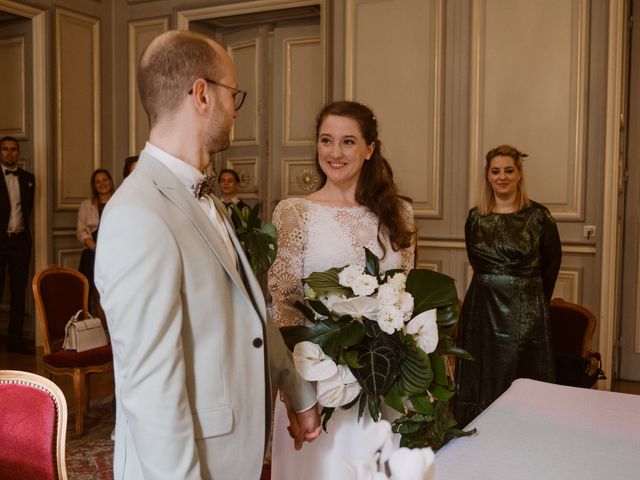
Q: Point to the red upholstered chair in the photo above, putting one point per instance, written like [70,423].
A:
[33,425]
[59,293]
[572,328]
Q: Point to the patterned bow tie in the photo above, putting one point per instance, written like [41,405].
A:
[202,188]
[11,172]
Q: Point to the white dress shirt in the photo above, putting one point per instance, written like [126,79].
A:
[16,223]
[190,177]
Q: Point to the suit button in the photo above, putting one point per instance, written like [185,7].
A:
[257,342]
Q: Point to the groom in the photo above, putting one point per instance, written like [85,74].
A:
[194,352]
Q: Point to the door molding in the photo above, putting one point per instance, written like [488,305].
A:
[183,17]
[39,133]
[611,241]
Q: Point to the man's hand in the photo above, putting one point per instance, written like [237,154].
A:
[304,426]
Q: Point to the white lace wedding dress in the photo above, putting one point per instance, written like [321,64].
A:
[311,238]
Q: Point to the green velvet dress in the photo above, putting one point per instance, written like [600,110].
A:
[504,321]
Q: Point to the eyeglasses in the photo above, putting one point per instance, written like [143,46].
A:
[238,95]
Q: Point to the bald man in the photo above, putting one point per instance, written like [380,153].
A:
[194,351]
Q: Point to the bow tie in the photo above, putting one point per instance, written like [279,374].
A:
[201,189]
[11,172]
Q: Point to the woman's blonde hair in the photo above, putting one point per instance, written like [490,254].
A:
[488,199]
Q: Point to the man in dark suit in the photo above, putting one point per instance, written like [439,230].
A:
[17,188]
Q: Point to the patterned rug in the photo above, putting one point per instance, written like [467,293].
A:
[90,456]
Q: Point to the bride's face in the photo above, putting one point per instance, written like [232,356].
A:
[342,149]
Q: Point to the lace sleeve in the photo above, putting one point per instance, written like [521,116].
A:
[287,269]
[408,254]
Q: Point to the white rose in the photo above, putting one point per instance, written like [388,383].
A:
[348,275]
[398,281]
[405,303]
[390,319]
[364,285]
[387,295]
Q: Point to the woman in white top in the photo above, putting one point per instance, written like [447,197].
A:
[87,228]
[356,206]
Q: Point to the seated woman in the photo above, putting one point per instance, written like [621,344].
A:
[87,229]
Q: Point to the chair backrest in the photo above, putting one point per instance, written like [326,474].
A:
[33,425]
[572,327]
[59,293]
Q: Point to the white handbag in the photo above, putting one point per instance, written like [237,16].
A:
[84,333]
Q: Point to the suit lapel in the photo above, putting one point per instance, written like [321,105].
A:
[169,185]
[250,279]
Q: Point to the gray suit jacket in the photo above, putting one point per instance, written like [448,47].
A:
[189,337]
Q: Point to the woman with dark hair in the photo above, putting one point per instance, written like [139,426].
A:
[87,228]
[356,206]
[514,248]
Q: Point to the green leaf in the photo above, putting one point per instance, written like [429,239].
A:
[447,316]
[327,282]
[372,263]
[306,311]
[253,217]
[331,336]
[393,398]
[319,307]
[422,404]
[349,358]
[458,352]
[430,290]
[439,366]
[415,369]
[326,415]
[270,230]
[440,392]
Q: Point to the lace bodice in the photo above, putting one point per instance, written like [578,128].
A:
[314,237]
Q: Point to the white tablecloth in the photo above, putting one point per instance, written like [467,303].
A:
[541,431]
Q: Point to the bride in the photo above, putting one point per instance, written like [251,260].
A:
[357,206]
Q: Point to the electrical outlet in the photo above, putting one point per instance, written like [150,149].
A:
[589,232]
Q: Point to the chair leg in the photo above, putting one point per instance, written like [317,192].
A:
[78,390]
[87,394]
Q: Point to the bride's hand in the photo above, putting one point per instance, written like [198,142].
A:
[303,426]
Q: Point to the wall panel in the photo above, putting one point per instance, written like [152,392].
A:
[78,126]
[13,87]
[401,81]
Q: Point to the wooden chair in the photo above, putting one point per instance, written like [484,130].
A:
[33,425]
[572,328]
[59,293]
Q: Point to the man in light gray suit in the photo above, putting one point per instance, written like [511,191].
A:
[194,352]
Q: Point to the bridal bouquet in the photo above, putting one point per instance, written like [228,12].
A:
[381,337]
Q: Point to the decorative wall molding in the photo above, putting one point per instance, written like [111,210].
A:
[248,169]
[436,266]
[78,125]
[295,92]
[539,130]
[568,285]
[183,17]
[300,177]
[246,128]
[13,94]
[68,257]
[141,32]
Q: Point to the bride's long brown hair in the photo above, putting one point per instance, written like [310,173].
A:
[376,189]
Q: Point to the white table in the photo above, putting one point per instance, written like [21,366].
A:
[541,431]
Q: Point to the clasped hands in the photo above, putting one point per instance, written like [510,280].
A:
[303,426]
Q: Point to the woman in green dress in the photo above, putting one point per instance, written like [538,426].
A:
[514,248]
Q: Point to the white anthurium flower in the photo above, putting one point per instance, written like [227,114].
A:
[378,437]
[311,362]
[425,330]
[397,281]
[390,319]
[364,285]
[339,389]
[331,298]
[348,276]
[412,464]
[357,307]
[364,469]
